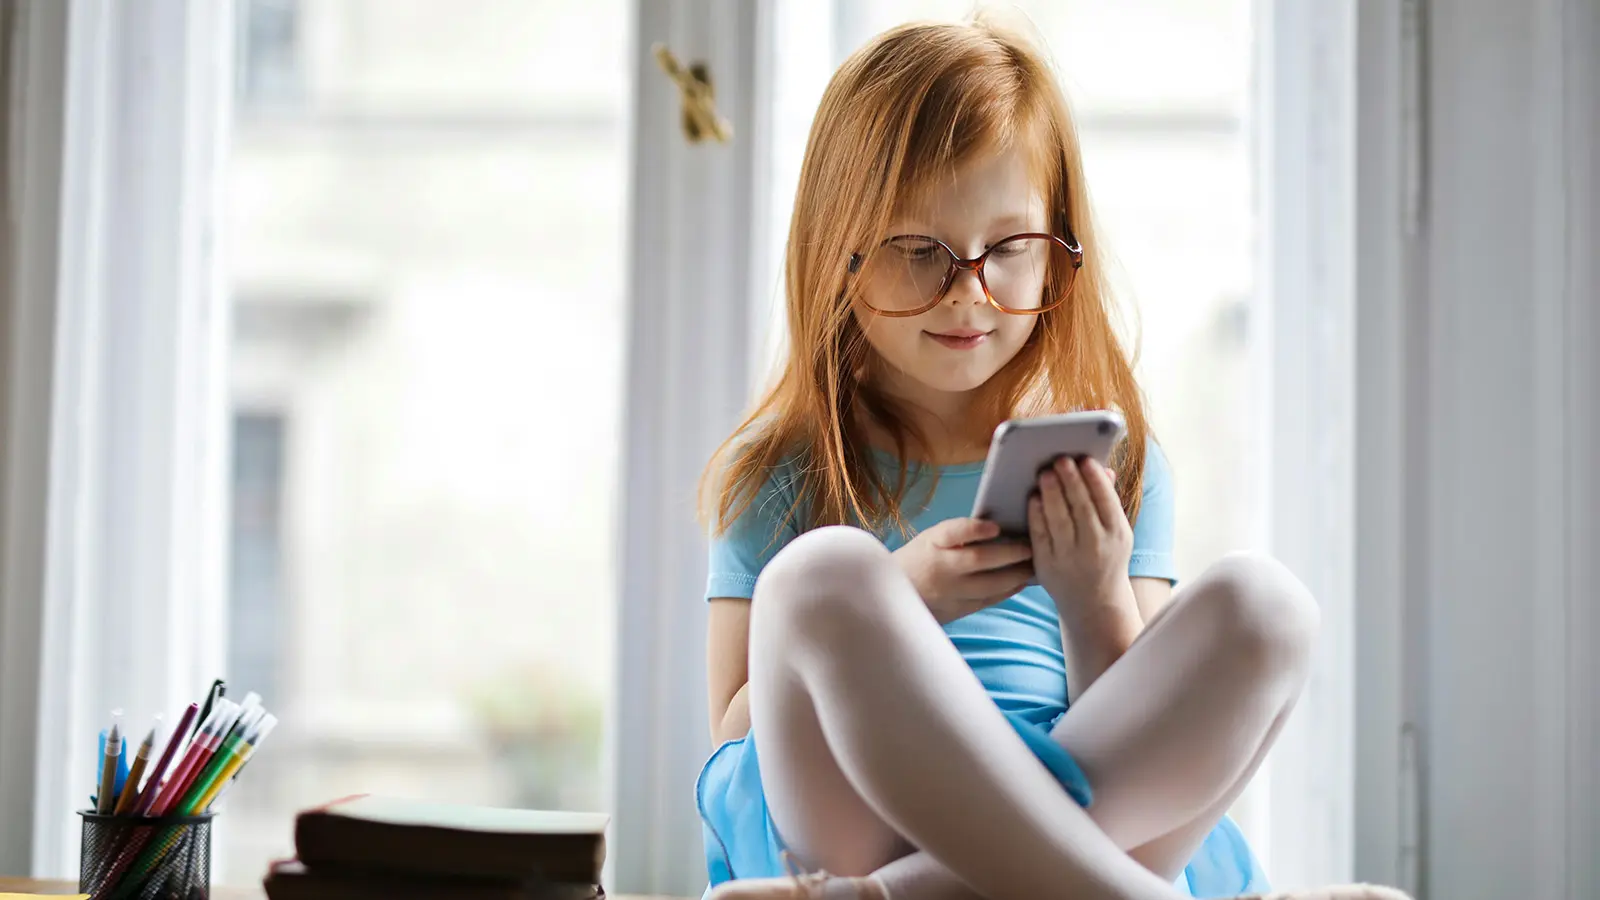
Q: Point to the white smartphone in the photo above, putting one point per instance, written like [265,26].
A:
[1022,448]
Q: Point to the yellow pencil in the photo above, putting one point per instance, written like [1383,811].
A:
[263,728]
[106,800]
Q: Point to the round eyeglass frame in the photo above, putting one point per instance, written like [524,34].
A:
[975,264]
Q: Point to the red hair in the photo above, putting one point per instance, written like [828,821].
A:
[903,112]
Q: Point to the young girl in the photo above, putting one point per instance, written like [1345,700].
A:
[941,717]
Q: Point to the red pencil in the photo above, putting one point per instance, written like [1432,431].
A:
[199,748]
[152,784]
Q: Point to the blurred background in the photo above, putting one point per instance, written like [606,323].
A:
[425,211]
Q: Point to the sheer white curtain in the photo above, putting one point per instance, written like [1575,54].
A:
[31,82]
[113,522]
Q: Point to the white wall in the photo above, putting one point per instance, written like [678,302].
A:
[1505,606]
[1478,424]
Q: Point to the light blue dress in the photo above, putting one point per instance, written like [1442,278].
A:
[1014,648]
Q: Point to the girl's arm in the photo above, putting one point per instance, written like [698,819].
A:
[1090,655]
[1092,644]
[1151,594]
[727,669]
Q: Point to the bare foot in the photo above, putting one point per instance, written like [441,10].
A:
[813,886]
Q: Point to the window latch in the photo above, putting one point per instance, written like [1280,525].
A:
[700,119]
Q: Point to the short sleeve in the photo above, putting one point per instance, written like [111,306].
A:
[740,553]
[1153,530]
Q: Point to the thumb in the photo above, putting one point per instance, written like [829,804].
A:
[956,532]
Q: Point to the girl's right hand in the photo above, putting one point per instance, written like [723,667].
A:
[957,576]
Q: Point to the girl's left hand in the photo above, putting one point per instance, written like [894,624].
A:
[1081,542]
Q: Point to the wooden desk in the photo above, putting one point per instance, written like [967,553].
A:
[34,886]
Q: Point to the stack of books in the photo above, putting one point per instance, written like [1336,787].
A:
[382,847]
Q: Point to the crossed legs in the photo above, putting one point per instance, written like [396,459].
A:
[876,737]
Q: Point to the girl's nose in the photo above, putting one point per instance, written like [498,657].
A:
[965,288]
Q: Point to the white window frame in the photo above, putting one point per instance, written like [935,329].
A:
[697,230]
[119,529]
[1388,199]
[1305,165]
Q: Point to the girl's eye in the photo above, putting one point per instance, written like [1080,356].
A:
[917,252]
[1009,248]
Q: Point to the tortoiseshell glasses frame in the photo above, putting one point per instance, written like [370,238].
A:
[957,263]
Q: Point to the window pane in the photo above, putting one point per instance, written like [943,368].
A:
[268,52]
[426,265]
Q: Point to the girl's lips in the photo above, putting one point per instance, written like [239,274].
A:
[959,340]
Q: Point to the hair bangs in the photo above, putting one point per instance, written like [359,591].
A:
[969,109]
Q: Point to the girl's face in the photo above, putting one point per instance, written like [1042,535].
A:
[959,344]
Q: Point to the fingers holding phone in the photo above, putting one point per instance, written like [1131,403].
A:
[1081,537]
[959,568]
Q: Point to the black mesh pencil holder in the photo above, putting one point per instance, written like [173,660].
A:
[130,858]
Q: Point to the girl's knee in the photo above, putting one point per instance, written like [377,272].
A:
[1260,609]
[827,577]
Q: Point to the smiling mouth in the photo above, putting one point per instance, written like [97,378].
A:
[959,340]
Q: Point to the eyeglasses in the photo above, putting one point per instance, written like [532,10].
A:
[1024,274]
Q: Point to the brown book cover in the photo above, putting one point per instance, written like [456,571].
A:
[290,879]
[387,833]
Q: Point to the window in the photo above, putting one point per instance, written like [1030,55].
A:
[256,576]
[426,273]
[268,53]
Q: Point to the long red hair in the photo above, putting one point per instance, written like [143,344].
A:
[902,113]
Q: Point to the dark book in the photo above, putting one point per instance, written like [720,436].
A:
[293,880]
[411,836]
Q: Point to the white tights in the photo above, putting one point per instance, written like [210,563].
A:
[878,741]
